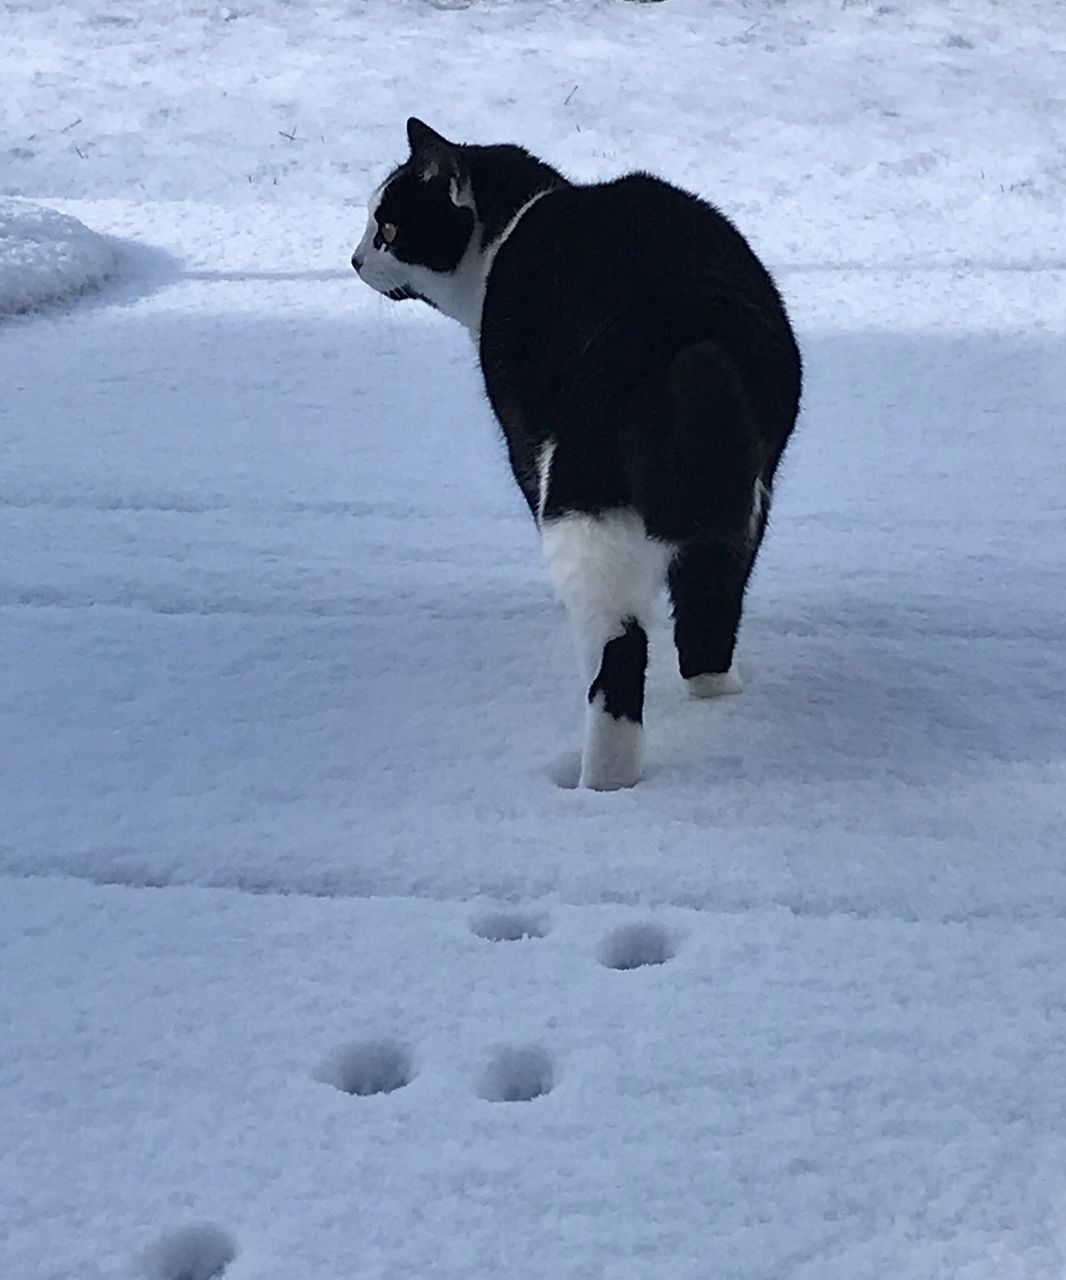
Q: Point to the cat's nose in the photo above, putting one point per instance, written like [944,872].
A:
[357,262]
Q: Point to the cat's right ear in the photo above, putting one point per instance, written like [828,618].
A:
[431,154]
[421,138]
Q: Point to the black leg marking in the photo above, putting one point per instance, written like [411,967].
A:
[621,674]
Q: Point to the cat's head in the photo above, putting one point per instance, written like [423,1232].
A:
[421,225]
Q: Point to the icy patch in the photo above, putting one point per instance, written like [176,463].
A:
[372,1066]
[517,1074]
[508,926]
[45,256]
[190,1253]
[636,945]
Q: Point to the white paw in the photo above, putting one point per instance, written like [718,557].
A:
[614,750]
[618,779]
[715,685]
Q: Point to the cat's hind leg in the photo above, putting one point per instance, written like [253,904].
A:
[608,572]
[707,584]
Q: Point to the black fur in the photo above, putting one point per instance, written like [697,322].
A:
[431,230]
[629,325]
[632,323]
[416,198]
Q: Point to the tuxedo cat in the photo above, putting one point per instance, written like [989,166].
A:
[643,370]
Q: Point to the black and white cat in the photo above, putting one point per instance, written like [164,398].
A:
[641,364]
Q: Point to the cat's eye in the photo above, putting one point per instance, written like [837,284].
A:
[388,232]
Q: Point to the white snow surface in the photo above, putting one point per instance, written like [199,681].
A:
[308,967]
[46,256]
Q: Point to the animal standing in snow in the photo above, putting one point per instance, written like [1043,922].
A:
[644,372]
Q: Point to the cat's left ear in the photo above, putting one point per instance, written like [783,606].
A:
[433,156]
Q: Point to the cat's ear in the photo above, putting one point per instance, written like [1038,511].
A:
[433,156]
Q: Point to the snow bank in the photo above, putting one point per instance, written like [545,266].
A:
[45,255]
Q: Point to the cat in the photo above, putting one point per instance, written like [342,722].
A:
[642,367]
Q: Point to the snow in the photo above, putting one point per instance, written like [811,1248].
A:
[786,1095]
[46,256]
[310,968]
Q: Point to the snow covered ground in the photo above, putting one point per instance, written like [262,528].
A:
[280,723]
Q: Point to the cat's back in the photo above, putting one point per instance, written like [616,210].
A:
[637,232]
[634,265]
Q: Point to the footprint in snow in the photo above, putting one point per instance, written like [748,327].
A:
[509,926]
[635,945]
[190,1253]
[517,1073]
[367,1067]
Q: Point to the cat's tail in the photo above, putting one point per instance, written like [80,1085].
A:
[714,451]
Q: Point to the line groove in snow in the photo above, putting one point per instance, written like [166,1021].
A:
[799,907]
